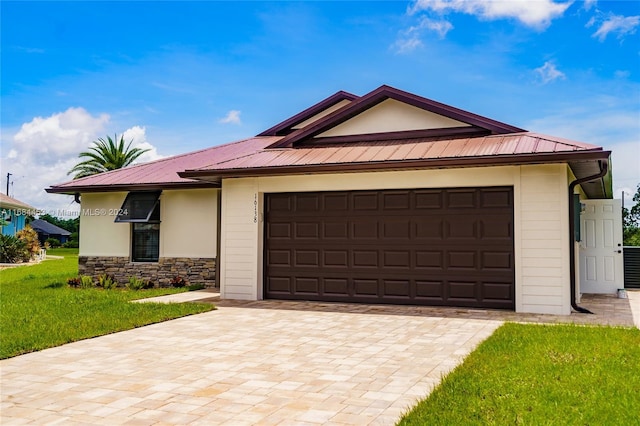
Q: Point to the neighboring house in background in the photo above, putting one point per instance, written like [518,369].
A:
[14,214]
[47,230]
[384,198]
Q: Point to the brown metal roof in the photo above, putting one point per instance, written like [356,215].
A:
[489,147]
[163,173]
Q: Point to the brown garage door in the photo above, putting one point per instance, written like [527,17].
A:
[450,247]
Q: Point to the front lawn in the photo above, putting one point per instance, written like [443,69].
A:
[38,310]
[534,374]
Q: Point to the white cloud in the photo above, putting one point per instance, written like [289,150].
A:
[138,135]
[604,122]
[43,150]
[548,72]
[410,39]
[232,117]
[615,24]
[536,14]
[588,4]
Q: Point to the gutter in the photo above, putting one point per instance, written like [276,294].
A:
[604,167]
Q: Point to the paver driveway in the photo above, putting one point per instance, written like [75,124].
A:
[243,364]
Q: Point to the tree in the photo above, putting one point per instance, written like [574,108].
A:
[631,222]
[105,155]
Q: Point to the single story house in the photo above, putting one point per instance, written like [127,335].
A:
[383,198]
[14,214]
[48,230]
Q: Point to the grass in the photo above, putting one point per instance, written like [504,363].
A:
[541,375]
[38,310]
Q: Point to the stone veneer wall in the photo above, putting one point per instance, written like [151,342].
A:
[193,270]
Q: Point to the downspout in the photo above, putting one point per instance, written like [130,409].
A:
[218,237]
[604,167]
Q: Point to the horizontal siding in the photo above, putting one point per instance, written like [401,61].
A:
[239,266]
[544,227]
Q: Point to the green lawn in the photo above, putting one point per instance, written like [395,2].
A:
[541,375]
[38,310]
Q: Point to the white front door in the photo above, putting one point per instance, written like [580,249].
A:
[601,261]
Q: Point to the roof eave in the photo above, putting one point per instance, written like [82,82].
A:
[454,162]
[129,187]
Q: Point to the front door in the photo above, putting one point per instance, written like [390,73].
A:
[601,260]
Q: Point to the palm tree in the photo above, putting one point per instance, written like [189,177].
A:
[106,155]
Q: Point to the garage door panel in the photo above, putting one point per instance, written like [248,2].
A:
[428,246]
[464,290]
[365,201]
[335,259]
[335,230]
[278,285]
[365,259]
[279,258]
[396,200]
[365,287]
[338,202]
[307,202]
[307,230]
[307,285]
[461,260]
[462,228]
[396,259]
[429,199]
[495,198]
[429,229]
[429,259]
[336,287]
[396,229]
[396,288]
[497,291]
[279,230]
[307,258]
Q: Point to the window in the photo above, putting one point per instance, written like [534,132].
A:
[140,207]
[145,245]
[142,210]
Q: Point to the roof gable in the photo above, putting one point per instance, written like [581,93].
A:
[311,114]
[375,116]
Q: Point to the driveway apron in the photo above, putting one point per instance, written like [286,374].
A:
[254,364]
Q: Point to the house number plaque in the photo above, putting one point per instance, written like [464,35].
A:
[255,208]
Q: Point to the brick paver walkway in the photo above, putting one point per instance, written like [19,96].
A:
[266,362]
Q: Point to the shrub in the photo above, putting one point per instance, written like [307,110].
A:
[71,244]
[13,250]
[135,283]
[86,281]
[107,282]
[74,282]
[53,242]
[30,239]
[178,281]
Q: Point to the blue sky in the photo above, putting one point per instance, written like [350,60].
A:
[180,76]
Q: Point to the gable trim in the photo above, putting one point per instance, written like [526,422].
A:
[468,131]
[286,126]
[379,95]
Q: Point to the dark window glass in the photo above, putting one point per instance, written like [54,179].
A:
[146,242]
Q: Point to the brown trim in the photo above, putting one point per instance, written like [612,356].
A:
[284,127]
[470,131]
[494,160]
[132,187]
[386,92]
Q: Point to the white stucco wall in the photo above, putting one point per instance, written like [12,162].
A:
[188,225]
[99,235]
[540,224]
[392,116]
